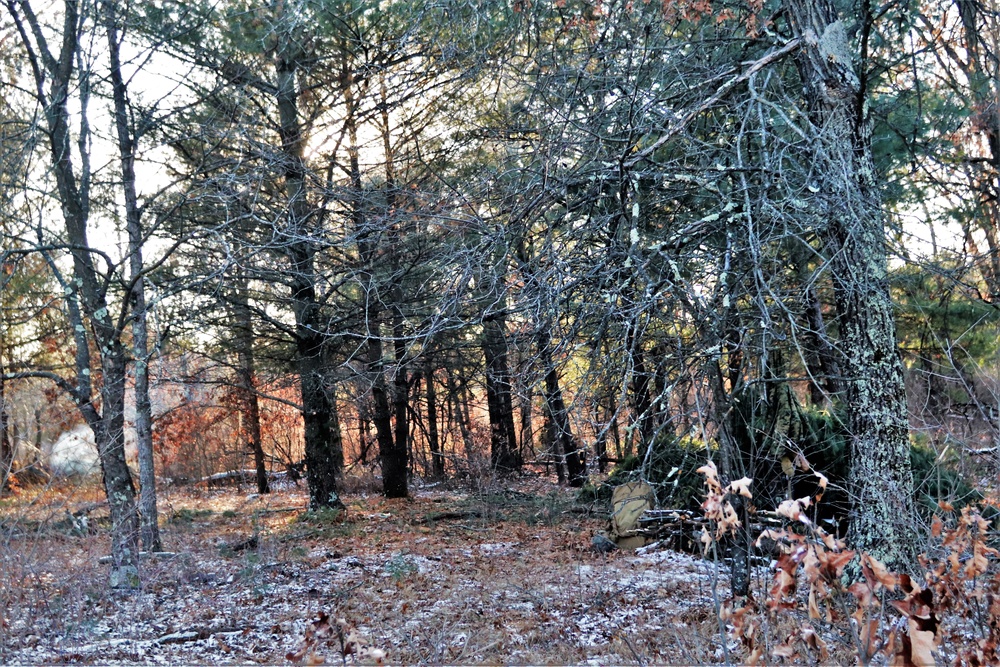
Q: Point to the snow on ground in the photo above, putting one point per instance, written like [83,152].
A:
[513,591]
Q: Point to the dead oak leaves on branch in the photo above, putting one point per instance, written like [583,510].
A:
[955,603]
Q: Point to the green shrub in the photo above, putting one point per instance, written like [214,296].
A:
[774,445]
[671,473]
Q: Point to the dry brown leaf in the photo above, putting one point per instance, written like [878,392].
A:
[881,573]
[832,542]
[813,607]
[869,635]
[741,487]
[979,562]
[711,474]
[792,509]
[811,565]
[786,467]
[786,649]
[823,481]
[775,535]
[815,642]
[834,563]
[921,645]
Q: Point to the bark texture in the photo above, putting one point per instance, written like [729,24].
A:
[149,530]
[55,74]
[323,448]
[249,402]
[503,438]
[881,480]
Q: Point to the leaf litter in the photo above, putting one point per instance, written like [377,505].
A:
[511,580]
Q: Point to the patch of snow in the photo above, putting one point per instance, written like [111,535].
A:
[74,453]
[497,549]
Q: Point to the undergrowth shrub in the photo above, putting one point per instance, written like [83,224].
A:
[669,468]
[948,606]
[781,460]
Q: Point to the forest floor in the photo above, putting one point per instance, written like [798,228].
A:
[499,576]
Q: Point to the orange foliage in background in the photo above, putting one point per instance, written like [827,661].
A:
[281,426]
[192,440]
[202,432]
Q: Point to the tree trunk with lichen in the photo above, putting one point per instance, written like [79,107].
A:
[56,74]
[882,520]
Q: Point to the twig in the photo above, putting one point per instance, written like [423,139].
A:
[676,126]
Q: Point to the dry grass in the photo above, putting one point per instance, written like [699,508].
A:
[500,576]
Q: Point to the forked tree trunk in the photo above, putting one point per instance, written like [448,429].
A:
[85,293]
[149,530]
[882,521]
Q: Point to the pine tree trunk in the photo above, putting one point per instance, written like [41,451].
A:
[642,404]
[433,438]
[323,449]
[575,468]
[399,461]
[458,397]
[503,440]
[6,448]
[882,521]
[526,399]
[249,401]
